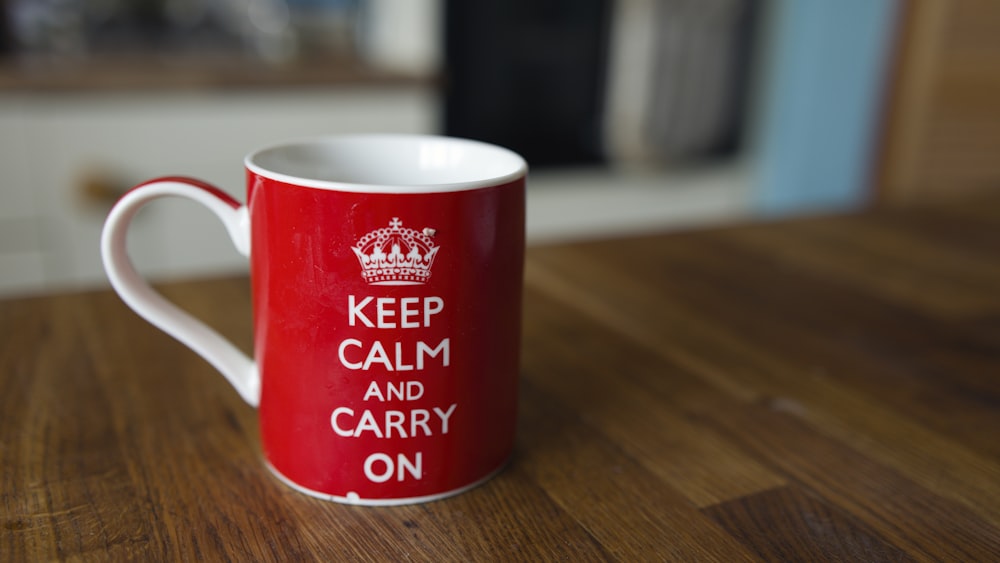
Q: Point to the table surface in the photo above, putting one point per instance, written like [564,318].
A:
[812,389]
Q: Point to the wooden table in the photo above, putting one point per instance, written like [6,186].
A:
[815,389]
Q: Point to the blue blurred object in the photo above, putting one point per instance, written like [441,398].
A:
[821,106]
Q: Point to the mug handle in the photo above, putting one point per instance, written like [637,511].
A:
[237,368]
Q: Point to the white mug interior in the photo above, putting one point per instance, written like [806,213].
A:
[388,163]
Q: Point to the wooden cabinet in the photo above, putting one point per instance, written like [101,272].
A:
[942,134]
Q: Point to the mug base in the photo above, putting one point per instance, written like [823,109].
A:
[354,499]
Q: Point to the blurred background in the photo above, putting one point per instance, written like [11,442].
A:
[633,114]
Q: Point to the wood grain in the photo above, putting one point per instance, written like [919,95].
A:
[821,389]
[786,524]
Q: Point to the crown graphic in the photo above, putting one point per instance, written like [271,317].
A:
[396,256]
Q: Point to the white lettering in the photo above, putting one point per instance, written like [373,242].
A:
[393,391]
[336,427]
[445,415]
[343,358]
[373,390]
[384,312]
[354,311]
[432,306]
[414,390]
[443,348]
[387,309]
[368,423]
[401,423]
[419,417]
[406,312]
[377,355]
[416,471]
[400,366]
[394,419]
[403,464]
[400,391]
[378,477]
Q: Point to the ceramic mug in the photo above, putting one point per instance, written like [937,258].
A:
[386,275]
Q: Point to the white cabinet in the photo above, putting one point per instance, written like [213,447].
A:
[52,145]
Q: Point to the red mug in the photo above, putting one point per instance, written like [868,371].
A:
[386,275]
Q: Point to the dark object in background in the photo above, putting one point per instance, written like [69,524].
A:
[568,82]
[528,75]
[6,41]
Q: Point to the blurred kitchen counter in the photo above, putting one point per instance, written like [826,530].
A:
[72,141]
[116,73]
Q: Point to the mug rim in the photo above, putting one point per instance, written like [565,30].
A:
[518,165]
